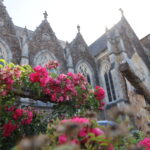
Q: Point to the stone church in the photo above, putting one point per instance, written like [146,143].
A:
[99,62]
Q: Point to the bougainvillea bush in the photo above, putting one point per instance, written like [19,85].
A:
[70,94]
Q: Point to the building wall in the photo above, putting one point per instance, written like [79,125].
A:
[23,46]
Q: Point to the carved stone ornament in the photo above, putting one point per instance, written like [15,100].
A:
[45,37]
[81,47]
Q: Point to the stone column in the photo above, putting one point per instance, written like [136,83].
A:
[69,59]
[25,52]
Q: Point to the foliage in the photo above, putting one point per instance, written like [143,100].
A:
[16,123]
[69,127]
[66,91]
[80,133]
[40,83]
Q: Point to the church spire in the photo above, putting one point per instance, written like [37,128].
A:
[78,28]
[45,15]
[122,12]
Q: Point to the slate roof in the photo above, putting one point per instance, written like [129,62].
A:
[20,30]
[101,43]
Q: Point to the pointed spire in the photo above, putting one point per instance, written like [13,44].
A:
[78,28]
[25,31]
[45,15]
[122,12]
[66,44]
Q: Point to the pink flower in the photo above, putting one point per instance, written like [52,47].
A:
[4,93]
[80,120]
[44,81]
[34,77]
[97,131]
[52,65]
[28,119]
[83,132]
[9,81]
[75,141]
[62,139]
[17,114]
[37,68]
[110,147]
[145,143]
[99,93]
[11,108]
[8,128]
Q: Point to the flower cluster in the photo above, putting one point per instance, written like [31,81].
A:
[7,77]
[145,143]
[18,117]
[100,95]
[84,134]
[40,75]
[77,120]
[8,128]
[63,87]
[52,65]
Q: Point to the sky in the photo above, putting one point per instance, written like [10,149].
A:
[92,15]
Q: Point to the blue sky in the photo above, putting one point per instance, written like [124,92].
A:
[91,15]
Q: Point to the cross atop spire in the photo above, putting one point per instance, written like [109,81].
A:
[45,15]
[25,30]
[78,28]
[122,12]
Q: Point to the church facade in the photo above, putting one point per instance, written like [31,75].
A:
[99,62]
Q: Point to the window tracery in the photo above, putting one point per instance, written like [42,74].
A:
[85,70]
[5,53]
[43,58]
[108,78]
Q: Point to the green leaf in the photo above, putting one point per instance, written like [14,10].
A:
[2,63]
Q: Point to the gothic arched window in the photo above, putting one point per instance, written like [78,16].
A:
[42,58]
[110,86]
[85,70]
[5,52]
